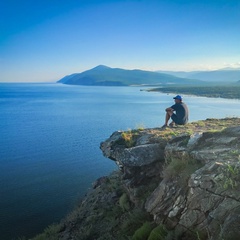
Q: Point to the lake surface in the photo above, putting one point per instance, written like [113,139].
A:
[49,144]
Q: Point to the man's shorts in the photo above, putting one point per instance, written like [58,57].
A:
[176,120]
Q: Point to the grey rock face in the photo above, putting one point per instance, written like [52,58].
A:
[142,153]
[197,176]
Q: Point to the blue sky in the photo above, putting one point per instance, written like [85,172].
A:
[48,39]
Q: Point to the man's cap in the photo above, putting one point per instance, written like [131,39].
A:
[178,97]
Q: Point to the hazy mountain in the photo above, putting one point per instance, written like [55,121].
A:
[222,75]
[180,74]
[106,76]
[230,68]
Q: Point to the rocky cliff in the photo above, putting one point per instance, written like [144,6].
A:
[177,183]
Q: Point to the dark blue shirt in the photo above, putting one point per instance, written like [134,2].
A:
[181,110]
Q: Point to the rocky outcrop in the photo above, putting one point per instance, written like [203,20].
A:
[197,168]
[177,183]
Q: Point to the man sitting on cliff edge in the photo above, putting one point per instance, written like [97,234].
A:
[180,117]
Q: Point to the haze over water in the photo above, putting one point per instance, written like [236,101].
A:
[50,137]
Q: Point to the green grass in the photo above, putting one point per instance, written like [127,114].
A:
[143,232]
[129,137]
[231,176]
[158,233]
[140,127]
[124,202]
[181,167]
[235,152]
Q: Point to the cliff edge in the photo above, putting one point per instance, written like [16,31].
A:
[177,183]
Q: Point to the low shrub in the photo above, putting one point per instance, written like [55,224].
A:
[182,168]
[143,232]
[124,202]
[133,221]
[129,137]
[158,233]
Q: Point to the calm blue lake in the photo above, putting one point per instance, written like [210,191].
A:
[49,144]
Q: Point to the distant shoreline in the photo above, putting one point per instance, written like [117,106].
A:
[230,92]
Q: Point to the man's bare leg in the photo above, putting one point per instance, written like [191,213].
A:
[169,113]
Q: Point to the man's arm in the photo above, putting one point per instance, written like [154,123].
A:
[169,109]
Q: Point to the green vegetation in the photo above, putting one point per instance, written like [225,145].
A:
[50,233]
[124,202]
[133,220]
[140,127]
[181,167]
[143,232]
[149,231]
[235,153]
[129,137]
[158,233]
[223,91]
[231,176]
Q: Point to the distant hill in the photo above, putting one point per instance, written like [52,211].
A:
[222,91]
[106,76]
[222,75]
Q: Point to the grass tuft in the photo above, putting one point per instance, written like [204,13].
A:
[143,232]
[182,168]
[158,233]
[124,202]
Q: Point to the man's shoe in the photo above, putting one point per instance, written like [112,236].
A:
[164,127]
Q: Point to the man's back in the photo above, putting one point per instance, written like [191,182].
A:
[181,112]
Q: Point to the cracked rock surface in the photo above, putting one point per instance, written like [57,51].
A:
[198,172]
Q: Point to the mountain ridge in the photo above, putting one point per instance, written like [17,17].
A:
[220,75]
[102,75]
